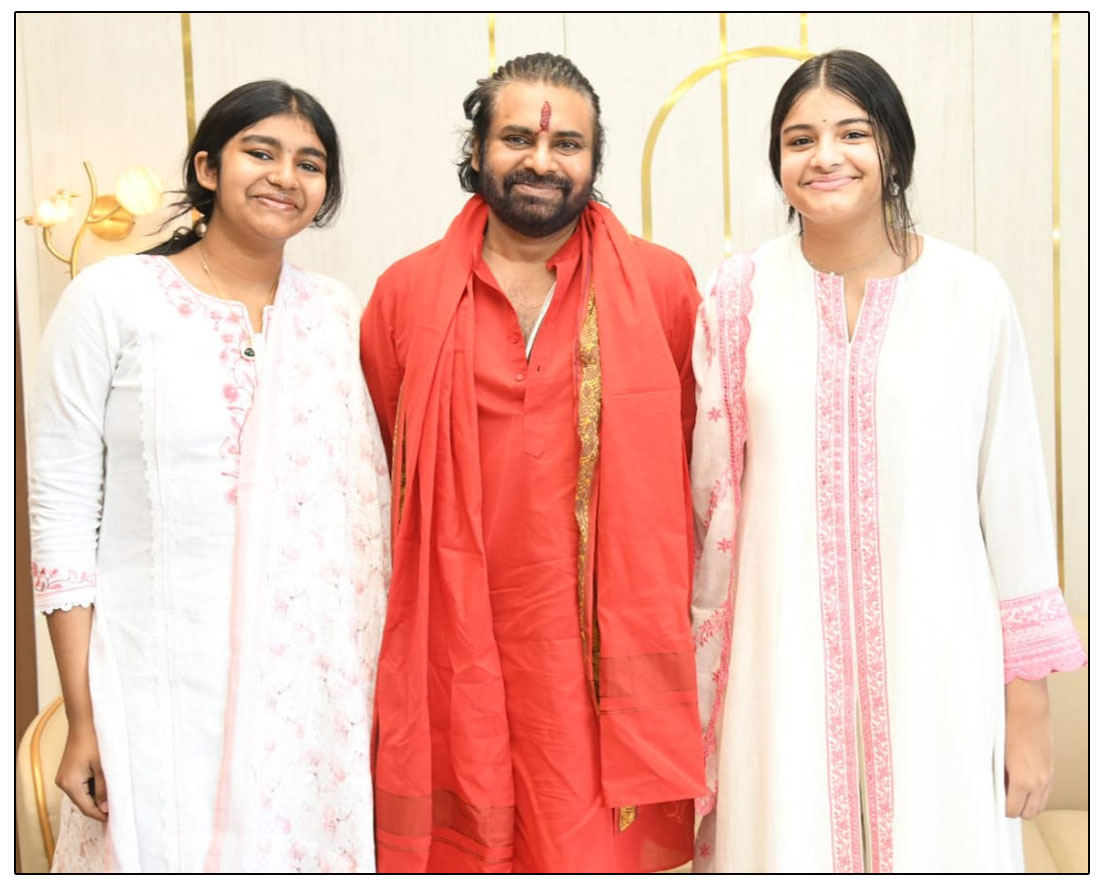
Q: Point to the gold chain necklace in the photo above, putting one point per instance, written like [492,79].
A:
[212,279]
[849,270]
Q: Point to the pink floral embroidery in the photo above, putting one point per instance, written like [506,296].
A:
[715,414]
[847,488]
[83,843]
[705,851]
[312,801]
[53,580]
[234,335]
[1038,636]
[843,790]
[866,567]
[733,301]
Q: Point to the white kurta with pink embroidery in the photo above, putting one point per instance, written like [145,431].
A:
[220,500]
[876,558]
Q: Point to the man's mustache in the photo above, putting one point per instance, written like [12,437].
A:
[529,177]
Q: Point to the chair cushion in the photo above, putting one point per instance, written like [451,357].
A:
[1038,858]
[1064,834]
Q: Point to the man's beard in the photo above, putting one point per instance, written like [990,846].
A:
[533,216]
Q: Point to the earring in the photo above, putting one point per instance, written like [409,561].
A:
[200,226]
[894,188]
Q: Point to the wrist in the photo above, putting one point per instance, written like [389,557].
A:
[79,716]
[1027,695]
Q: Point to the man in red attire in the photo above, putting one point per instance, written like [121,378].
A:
[536,703]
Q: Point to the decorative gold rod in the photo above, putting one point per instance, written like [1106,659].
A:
[187,70]
[804,30]
[491,41]
[1057,373]
[723,115]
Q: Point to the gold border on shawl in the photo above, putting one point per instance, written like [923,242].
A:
[187,71]
[627,816]
[588,430]
[1057,372]
[37,777]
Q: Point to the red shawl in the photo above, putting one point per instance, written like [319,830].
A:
[442,761]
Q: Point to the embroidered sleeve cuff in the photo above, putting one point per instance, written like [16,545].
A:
[62,588]
[1039,637]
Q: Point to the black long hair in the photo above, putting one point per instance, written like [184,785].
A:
[543,68]
[232,113]
[864,82]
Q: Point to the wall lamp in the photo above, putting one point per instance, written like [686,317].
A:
[109,217]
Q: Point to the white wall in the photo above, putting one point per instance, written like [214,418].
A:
[978,88]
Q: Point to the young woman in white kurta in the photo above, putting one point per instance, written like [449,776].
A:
[876,554]
[208,498]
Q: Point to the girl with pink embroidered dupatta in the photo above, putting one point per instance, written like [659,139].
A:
[876,603]
[208,495]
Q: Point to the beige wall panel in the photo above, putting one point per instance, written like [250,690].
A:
[28,239]
[1013,183]
[1074,295]
[104,88]
[634,62]
[393,85]
[522,33]
[29,322]
[929,57]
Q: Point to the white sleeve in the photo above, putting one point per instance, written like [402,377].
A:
[65,418]
[1016,521]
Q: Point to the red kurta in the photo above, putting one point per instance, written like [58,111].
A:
[529,453]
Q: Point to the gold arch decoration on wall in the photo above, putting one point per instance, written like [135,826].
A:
[720,63]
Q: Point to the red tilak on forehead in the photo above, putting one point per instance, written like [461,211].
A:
[543,123]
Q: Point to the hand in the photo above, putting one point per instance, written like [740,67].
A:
[81,762]
[1028,747]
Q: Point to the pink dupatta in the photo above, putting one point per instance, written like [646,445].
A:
[308,602]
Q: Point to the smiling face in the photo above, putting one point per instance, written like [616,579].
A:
[271,179]
[536,165]
[830,166]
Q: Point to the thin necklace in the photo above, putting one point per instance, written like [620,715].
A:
[849,270]
[212,279]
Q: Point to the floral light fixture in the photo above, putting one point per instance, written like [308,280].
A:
[109,217]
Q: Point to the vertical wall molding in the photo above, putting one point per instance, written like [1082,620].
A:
[187,74]
[1057,366]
